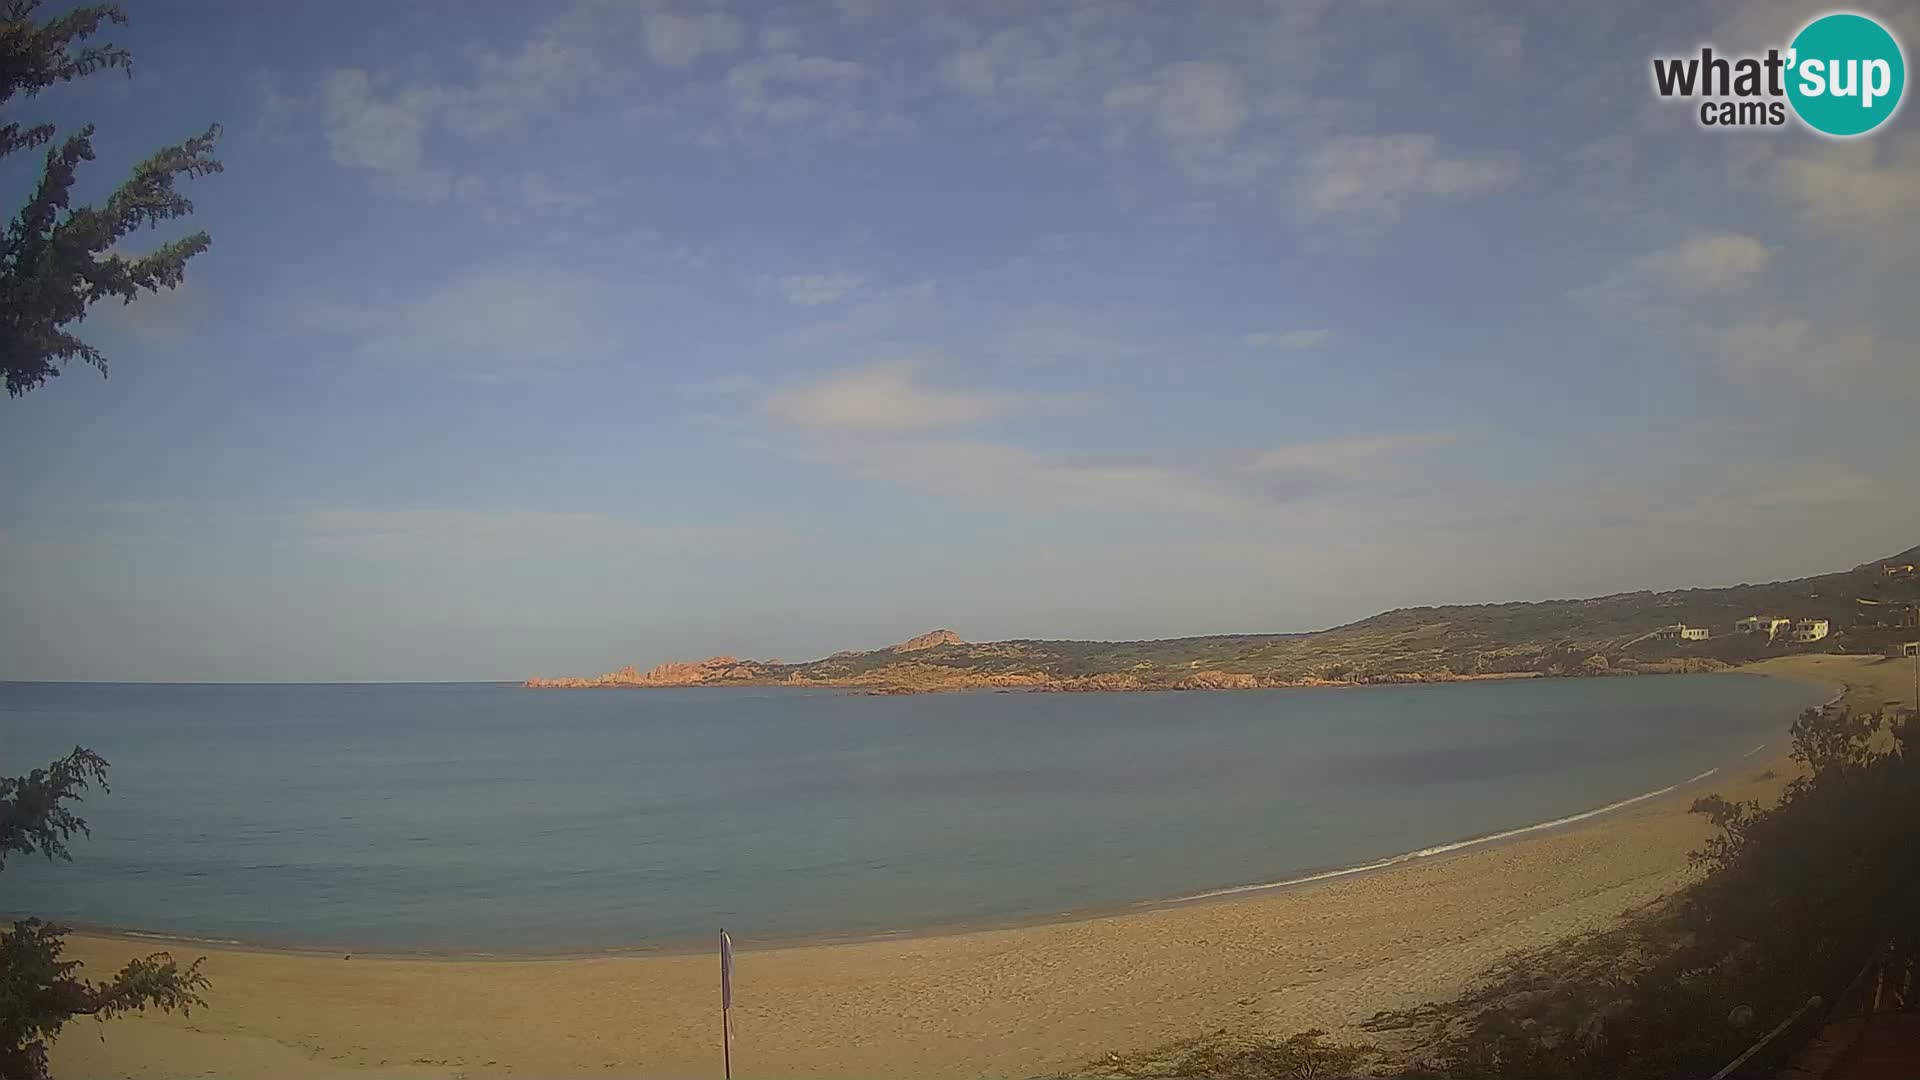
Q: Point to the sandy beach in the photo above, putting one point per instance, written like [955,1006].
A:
[1005,1002]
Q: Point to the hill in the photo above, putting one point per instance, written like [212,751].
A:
[1869,608]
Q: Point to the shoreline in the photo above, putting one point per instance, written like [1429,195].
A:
[1205,682]
[1079,684]
[1022,1001]
[1025,1001]
[745,944]
[1299,878]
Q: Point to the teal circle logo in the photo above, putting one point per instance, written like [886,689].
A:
[1845,75]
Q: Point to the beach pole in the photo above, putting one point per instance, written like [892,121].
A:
[726,1004]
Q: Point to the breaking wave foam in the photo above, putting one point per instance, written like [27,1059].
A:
[1442,849]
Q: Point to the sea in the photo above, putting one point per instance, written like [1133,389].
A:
[484,818]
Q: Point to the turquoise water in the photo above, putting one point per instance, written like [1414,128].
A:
[485,817]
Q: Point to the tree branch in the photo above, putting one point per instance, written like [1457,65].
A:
[34,57]
[33,812]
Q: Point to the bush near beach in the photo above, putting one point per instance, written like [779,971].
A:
[1796,897]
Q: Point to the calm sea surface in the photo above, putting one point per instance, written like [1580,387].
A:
[485,817]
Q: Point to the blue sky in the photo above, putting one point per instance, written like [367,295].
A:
[547,338]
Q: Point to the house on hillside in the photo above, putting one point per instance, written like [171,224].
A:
[1806,630]
[1897,569]
[1771,625]
[1911,648]
[1682,632]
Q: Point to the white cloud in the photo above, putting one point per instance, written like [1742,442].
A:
[1721,259]
[876,423]
[801,95]
[438,533]
[977,71]
[1045,61]
[507,88]
[1191,100]
[881,398]
[487,310]
[1377,175]
[1760,24]
[779,39]
[1668,282]
[1866,192]
[383,134]
[678,40]
[1763,345]
[812,290]
[1345,455]
[1292,340]
[578,196]
[1806,486]
[167,317]
[1607,152]
[373,125]
[876,320]
[1307,487]
[1853,363]
[988,473]
[1706,261]
[1055,333]
[752,76]
[861,10]
[488,322]
[383,121]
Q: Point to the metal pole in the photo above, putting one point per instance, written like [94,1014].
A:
[726,1004]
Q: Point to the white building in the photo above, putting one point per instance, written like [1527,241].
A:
[1682,632]
[1809,630]
[1770,625]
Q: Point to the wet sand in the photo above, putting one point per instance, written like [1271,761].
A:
[1000,1002]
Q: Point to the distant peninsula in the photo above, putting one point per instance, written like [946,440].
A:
[1868,609]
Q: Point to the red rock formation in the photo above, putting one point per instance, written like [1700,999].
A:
[712,670]
[1220,680]
[932,639]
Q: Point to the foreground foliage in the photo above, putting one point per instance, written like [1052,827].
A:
[1795,898]
[1302,1056]
[39,992]
[56,259]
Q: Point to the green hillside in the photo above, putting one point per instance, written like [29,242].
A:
[1550,637]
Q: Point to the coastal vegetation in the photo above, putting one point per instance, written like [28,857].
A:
[39,992]
[57,260]
[1599,636]
[1794,900]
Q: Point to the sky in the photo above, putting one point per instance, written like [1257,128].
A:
[541,339]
